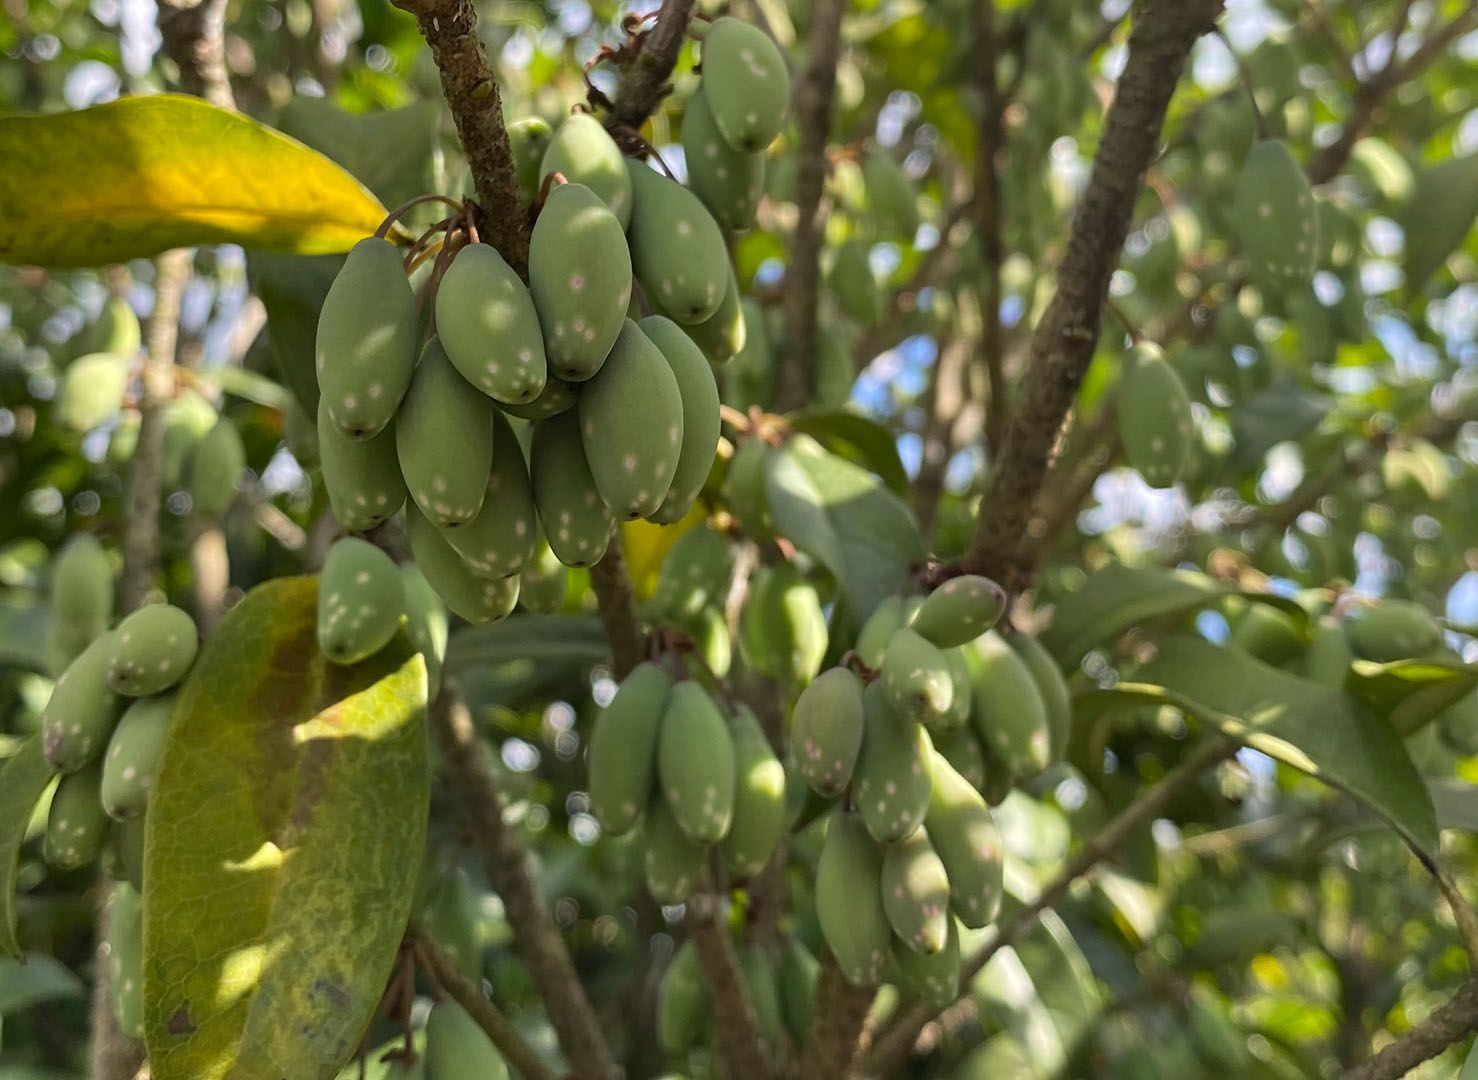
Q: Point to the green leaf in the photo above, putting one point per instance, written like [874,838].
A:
[141,175]
[283,841]
[845,518]
[34,981]
[1264,420]
[292,288]
[858,439]
[1456,803]
[1322,732]
[23,781]
[1409,693]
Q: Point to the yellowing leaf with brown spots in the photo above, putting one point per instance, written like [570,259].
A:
[282,845]
[141,175]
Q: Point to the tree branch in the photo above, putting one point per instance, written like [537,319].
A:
[489,1017]
[617,600]
[1062,345]
[1450,1024]
[814,93]
[833,1042]
[194,34]
[733,1013]
[506,863]
[644,81]
[990,133]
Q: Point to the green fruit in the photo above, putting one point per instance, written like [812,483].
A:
[187,420]
[126,959]
[80,716]
[1007,708]
[528,140]
[1276,219]
[123,440]
[800,973]
[1439,216]
[759,799]
[125,852]
[958,714]
[892,784]
[849,900]
[215,469]
[682,1001]
[132,759]
[584,153]
[555,398]
[695,576]
[782,627]
[580,276]
[877,632]
[959,611]
[966,839]
[746,83]
[476,599]
[486,322]
[1328,658]
[854,284]
[916,893]
[711,642]
[623,749]
[832,372]
[452,918]
[91,391]
[76,825]
[890,196]
[673,860]
[361,596]
[504,536]
[365,352]
[750,379]
[1268,634]
[116,330]
[631,425]
[362,476]
[934,978]
[1392,630]
[744,486]
[1054,690]
[82,585]
[426,621]
[729,182]
[764,993]
[961,748]
[458,1049]
[444,440]
[677,249]
[545,581]
[915,678]
[695,764]
[153,649]
[723,333]
[1154,416]
[826,728]
[1458,725]
[698,393]
[577,522]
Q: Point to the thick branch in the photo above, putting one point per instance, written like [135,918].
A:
[613,592]
[489,1017]
[644,81]
[988,215]
[814,92]
[1451,1023]
[1063,343]
[506,863]
[194,33]
[733,1014]
[832,1044]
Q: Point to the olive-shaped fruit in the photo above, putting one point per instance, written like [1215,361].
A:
[698,391]
[826,728]
[1154,416]
[361,476]
[126,959]
[503,537]
[76,824]
[83,708]
[959,610]
[444,440]
[458,1049]
[759,799]
[82,585]
[476,599]
[892,784]
[486,322]
[677,249]
[723,333]
[152,650]
[1007,708]
[425,620]
[215,469]
[916,678]
[1392,630]
[933,977]
[916,893]
[622,762]
[577,523]
[746,83]
[672,859]
[849,900]
[682,1001]
[695,764]
[361,597]
[729,182]
[964,835]
[528,140]
[583,152]
[132,758]
[1276,220]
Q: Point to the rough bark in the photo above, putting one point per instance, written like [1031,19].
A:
[644,81]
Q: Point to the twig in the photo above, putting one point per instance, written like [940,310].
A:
[813,97]
[489,1017]
[644,81]
[833,1043]
[506,863]
[991,134]
[733,1012]
[1449,1024]
[1062,345]
[617,600]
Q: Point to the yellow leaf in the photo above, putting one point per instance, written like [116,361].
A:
[141,175]
[646,545]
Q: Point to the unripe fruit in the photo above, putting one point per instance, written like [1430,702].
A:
[728,181]
[1392,630]
[886,619]
[915,678]
[125,852]
[672,859]
[476,599]
[711,641]
[623,749]
[1007,708]
[215,469]
[849,900]
[682,1001]
[426,621]
[1268,634]
[132,759]
[744,485]
[1056,696]
[631,425]
[583,152]
[91,391]
[577,523]
[959,702]
[800,973]
[545,581]
[746,83]
[503,537]
[528,140]
[153,649]
[695,575]
[677,249]
[80,716]
[782,627]
[556,397]
[361,596]
[698,392]
[966,839]
[444,440]
[1328,659]
[695,764]
[826,728]
[126,959]
[890,195]
[367,333]
[961,748]
[82,585]
[116,330]
[916,893]
[580,277]
[1276,219]
[362,476]
[723,333]
[759,799]
[959,611]
[76,824]
[187,420]
[1154,416]
[486,322]
[892,784]
[934,977]
[764,993]
[1458,724]
[854,284]
[451,918]
[458,1049]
